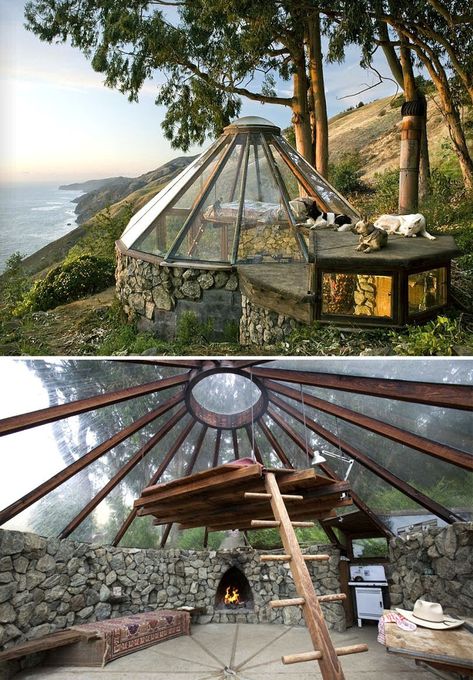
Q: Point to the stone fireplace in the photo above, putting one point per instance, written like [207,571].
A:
[234,592]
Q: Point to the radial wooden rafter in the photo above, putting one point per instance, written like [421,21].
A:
[363,459]
[93,455]
[433,394]
[182,436]
[441,395]
[123,471]
[73,408]
[409,439]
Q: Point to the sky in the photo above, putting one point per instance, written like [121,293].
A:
[61,124]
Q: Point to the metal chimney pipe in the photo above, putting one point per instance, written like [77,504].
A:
[411,131]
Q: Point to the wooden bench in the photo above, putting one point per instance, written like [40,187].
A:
[61,638]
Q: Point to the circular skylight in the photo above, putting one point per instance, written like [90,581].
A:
[226,398]
[226,393]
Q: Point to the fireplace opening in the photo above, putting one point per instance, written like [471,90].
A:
[234,591]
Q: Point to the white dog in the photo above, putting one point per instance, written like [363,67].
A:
[405,225]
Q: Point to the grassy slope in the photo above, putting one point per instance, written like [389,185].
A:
[375,135]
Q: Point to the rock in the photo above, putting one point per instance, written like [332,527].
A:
[24,614]
[7,613]
[191,289]
[39,631]
[20,565]
[110,578]
[206,281]
[220,279]
[7,591]
[11,542]
[103,611]
[162,299]
[105,593]
[46,564]
[232,283]
[33,579]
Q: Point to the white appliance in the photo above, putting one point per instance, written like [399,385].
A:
[368,582]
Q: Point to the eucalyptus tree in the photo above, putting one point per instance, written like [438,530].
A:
[436,33]
[211,52]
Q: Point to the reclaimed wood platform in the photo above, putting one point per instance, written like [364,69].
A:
[216,498]
[450,650]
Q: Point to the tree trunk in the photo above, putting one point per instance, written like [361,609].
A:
[300,110]
[317,88]
[412,93]
[451,117]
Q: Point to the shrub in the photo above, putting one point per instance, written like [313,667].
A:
[14,283]
[101,233]
[435,338]
[69,281]
[345,175]
[190,330]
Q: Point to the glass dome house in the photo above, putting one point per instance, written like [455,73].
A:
[215,234]
[232,204]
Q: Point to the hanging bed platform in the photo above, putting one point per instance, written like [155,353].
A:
[246,495]
[217,498]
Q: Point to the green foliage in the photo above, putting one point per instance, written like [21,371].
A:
[193,539]
[14,284]
[70,281]
[190,330]
[269,539]
[102,232]
[435,338]
[231,332]
[370,547]
[397,102]
[345,175]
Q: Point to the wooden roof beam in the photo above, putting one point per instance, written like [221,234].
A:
[396,434]
[93,455]
[275,444]
[368,463]
[154,479]
[433,394]
[124,470]
[73,408]
[253,444]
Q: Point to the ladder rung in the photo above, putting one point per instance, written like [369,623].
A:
[303,524]
[292,497]
[332,598]
[294,602]
[316,558]
[352,649]
[275,558]
[264,523]
[302,656]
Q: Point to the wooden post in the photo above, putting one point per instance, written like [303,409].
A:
[413,113]
[328,663]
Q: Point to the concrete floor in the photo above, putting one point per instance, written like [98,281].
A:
[242,652]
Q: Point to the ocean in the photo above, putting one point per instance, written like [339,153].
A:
[33,215]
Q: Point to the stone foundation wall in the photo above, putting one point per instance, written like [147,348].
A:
[261,326]
[50,584]
[156,297]
[436,565]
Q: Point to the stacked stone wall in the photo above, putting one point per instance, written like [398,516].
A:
[156,296]
[261,326]
[436,565]
[51,584]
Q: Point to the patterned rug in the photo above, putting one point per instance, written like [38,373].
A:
[124,635]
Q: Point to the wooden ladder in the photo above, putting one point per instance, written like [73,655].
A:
[324,652]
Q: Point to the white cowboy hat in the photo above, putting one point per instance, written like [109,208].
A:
[430,615]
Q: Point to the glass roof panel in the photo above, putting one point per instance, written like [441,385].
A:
[163,231]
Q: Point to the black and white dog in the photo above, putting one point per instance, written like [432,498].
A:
[308,214]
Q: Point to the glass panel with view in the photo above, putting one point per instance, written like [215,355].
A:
[163,231]
[369,547]
[427,290]
[266,234]
[357,294]
[210,233]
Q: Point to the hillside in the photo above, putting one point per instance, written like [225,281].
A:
[103,193]
[372,131]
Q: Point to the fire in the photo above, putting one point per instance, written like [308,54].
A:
[234,598]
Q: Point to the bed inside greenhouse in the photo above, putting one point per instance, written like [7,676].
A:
[227,518]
